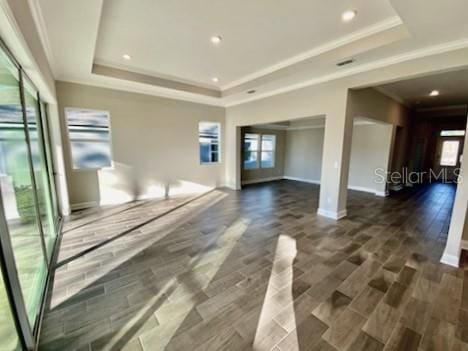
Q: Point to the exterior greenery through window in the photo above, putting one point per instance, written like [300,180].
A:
[89,134]
[259,150]
[209,140]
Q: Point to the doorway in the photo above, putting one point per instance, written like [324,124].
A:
[449,151]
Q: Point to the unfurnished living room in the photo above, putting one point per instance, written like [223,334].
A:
[233,175]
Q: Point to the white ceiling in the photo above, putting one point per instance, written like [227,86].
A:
[173,37]
[269,46]
[452,86]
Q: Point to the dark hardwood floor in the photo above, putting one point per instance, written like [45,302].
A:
[259,270]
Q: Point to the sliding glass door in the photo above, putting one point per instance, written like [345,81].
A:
[41,176]
[27,216]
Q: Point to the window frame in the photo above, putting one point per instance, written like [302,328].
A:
[273,151]
[111,151]
[442,153]
[448,133]
[202,163]
[259,150]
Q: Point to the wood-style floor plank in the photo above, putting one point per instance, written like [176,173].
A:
[258,269]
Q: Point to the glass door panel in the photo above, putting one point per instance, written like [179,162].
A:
[8,335]
[41,174]
[50,168]
[18,192]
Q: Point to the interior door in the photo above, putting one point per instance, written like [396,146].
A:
[448,157]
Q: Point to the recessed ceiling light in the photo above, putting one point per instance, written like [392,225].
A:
[215,79]
[348,15]
[216,39]
[434,93]
[126,57]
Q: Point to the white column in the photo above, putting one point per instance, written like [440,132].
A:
[232,154]
[452,250]
[335,160]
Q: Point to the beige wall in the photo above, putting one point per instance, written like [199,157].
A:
[303,159]
[154,145]
[254,175]
[370,151]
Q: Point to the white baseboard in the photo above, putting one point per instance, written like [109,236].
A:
[464,244]
[332,214]
[83,205]
[231,186]
[361,188]
[382,193]
[305,180]
[451,260]
[350,187]
[261,180]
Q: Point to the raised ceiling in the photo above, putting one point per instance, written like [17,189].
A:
[173,37]
[452,87]
[268,46]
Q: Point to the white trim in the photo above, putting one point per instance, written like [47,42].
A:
[116,84]
[41,27]
[382,193]
[231,186]
[305,180]
[261,180]
[392,60]
[350,187]
[331,214]
[331,45]
[146,89]
[464,244]
[362,188]
[451,260]
[83,205]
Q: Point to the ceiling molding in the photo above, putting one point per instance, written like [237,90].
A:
[153,80]
[416,54]
[345,40]
[38,18]
[140,88]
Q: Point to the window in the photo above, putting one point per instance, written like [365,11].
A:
[251,148]
[259,151]
[268,151]
[449,153]
[452,133]
[89,133]
[209,137]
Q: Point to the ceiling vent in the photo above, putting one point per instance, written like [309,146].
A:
[251,91]
[344,63]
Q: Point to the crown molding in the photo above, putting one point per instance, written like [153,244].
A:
[39,21]
[412,55]
[140,88]
[334,44]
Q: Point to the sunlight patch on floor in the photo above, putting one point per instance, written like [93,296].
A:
[281,278]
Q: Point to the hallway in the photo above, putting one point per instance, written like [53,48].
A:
[258,269]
